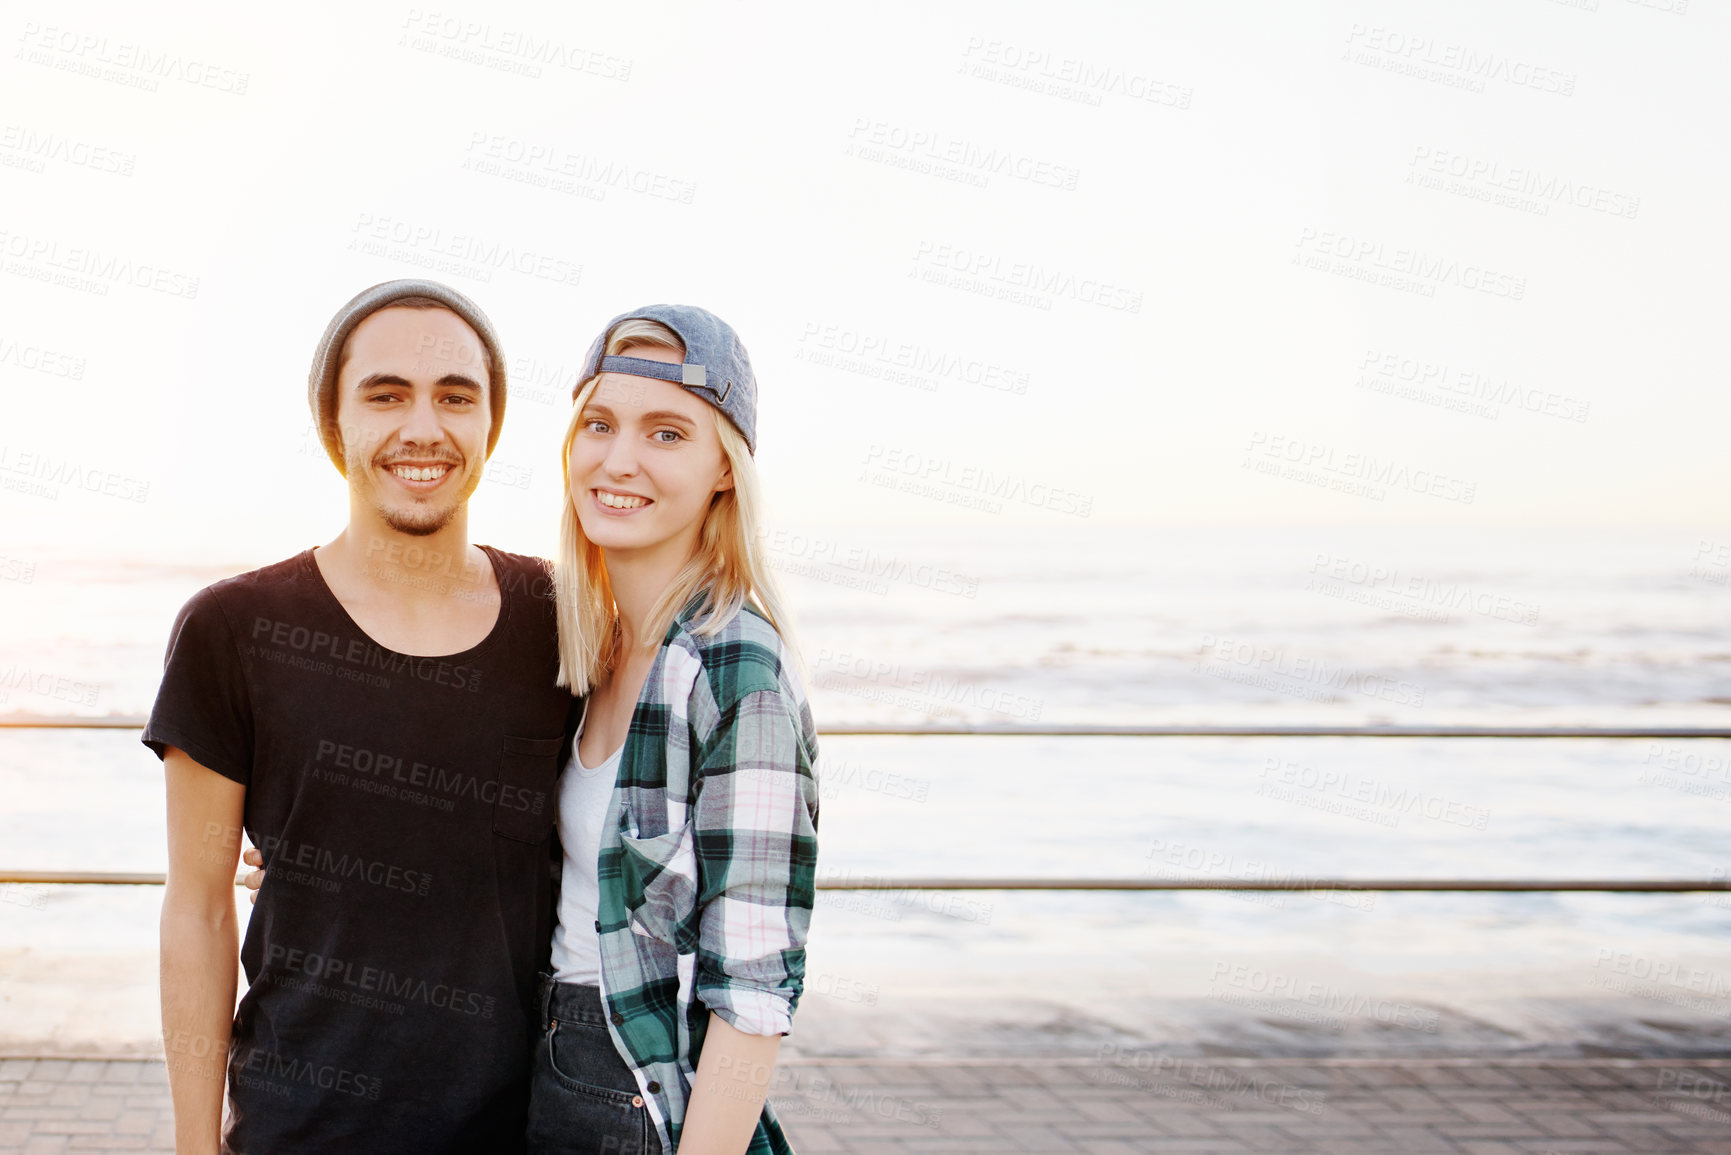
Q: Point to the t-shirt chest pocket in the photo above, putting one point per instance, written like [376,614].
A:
[528,770]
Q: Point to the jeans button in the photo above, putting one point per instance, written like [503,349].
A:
[637,1100]
[654,1088]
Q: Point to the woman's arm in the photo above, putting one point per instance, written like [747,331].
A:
[733,1076]
[756,824]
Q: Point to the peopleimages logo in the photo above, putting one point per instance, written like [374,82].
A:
[913,687]
[1457,65]
[928,150]
[873,354]
[1037,283]
[46,260]
[37,359]
[289,644]
[17,570]
[1460,388]
[280,1068]
[1302,460]
[1304,676]
[546,164]
[1275,991]
[466,253]
[41,475]
[1542,189]
[927,475]
[125,62]
[1066,77]
[343,978]
[36,149]
[812,555]
[1164,1072]
[340,762]
[1362,258]
[505,48]
[47,685]
[1327,787]
[1341,576]
[283,855]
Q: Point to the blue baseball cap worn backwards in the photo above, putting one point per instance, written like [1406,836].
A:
[716,367]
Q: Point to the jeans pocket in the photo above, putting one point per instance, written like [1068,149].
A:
[583,1098]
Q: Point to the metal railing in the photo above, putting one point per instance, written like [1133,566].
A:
[1496,885]
[1083,730]
[1503,885]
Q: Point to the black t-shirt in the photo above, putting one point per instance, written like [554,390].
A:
[404,806]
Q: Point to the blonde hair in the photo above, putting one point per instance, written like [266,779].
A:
[727,564]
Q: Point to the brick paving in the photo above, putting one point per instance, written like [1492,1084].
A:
[1129,1102]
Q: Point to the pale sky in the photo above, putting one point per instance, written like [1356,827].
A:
[1345,262]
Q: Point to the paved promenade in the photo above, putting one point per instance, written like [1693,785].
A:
[1131,1102]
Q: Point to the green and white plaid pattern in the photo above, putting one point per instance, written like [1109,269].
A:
[708,859]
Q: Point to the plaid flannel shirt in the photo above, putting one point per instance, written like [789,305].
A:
[708,859]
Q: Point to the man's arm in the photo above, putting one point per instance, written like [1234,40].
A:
[200,949]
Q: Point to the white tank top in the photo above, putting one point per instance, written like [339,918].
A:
[583,796]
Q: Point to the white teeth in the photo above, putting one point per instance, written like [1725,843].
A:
[411,473]
[615,501]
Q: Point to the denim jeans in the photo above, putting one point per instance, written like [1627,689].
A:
[583,1099]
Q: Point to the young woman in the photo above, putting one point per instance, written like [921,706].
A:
[688,814]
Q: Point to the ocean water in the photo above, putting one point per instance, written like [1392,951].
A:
[1100,624]
[1023,625]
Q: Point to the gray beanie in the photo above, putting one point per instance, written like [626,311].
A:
[322,381]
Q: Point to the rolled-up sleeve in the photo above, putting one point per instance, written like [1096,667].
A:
[756,840]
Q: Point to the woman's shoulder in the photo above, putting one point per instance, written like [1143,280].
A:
[746,655]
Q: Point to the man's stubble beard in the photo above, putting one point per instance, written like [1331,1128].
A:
[419,520]
[424,527]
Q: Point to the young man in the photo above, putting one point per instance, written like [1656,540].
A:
[380,715]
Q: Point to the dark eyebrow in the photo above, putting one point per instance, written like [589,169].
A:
[449,380]
[652,415]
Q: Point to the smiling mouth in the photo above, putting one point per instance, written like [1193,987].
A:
[422,473]
[620,500]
